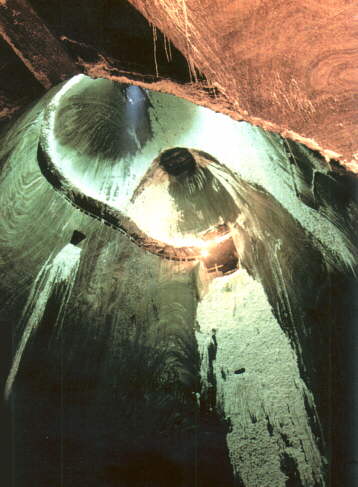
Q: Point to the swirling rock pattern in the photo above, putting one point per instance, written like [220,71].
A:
[286,66]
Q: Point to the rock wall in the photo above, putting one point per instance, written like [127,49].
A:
[142,370]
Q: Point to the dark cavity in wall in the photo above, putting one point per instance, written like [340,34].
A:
[116,29]
[289,468]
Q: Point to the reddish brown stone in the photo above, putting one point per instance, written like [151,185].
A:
[287,66]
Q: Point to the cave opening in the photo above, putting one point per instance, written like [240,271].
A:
[177,161]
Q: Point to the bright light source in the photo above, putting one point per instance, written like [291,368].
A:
[204,253]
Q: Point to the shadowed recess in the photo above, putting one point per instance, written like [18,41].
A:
[106,119]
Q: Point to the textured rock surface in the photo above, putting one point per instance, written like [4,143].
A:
[122,381]
[285,66]
[288,68]
[31,40]
[266,401]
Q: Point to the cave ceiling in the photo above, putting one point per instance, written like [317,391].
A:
[288,68]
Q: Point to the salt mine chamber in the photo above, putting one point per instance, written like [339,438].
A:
[183,290]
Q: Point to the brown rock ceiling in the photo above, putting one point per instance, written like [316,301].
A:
[288,66]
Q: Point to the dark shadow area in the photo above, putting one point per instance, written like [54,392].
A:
[88,410]
[18,87]
[116,29]
[105,120]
